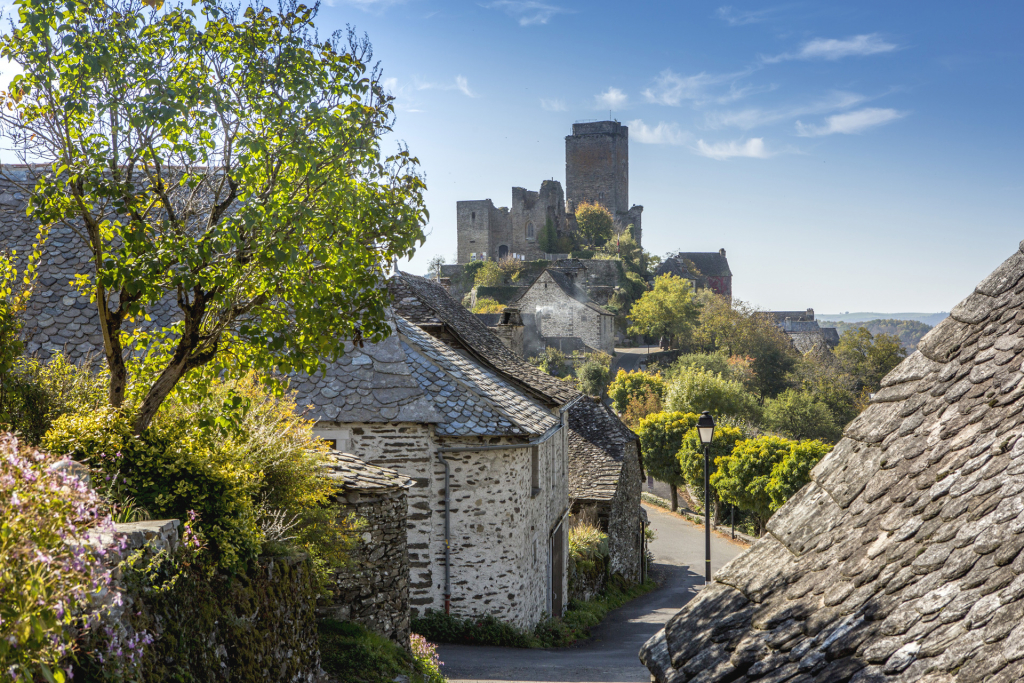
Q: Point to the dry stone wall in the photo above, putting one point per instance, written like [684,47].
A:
[625,530]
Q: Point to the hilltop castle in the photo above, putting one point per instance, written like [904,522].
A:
[596,171]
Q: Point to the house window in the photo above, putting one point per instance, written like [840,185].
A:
[534,471]
[600,196]
[529,231]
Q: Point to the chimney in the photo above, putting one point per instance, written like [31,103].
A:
[445,282]
[810,314]
[722,252]
[510,329]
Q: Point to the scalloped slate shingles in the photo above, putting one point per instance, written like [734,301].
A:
[901,560]
[598,442]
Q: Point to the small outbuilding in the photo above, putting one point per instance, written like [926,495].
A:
[605,473]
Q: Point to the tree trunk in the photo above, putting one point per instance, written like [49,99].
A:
[675,498]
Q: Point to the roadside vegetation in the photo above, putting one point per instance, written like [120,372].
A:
[352,654]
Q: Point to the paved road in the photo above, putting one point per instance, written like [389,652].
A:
[630,359]
[611,654]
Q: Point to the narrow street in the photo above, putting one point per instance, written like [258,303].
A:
[611,654]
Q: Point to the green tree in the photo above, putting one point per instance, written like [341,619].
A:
[661,436]
[594,224]
[761,474]
[485,304]
[628,386]
[489,275]
[798,414]
[694,390]
[668,309]
[548,238]
[869,358]
[225,161]
[592,376]
[691,458]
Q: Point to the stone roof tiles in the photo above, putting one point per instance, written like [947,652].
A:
[568,285]
[901,560]
[352,474]
[427,305]
[709,263]
[472,400]
[598,443]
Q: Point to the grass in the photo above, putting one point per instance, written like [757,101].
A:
[563,631]
[352,654]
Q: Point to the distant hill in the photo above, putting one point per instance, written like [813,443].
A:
[932,319]
[908,331]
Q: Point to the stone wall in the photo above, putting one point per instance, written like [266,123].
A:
[535,208]
[553,313]
[597,165]
[374,590]
[625,530]
[409,449]
[481,227]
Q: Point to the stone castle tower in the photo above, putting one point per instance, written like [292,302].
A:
[596,170]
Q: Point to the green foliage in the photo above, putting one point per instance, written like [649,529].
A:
[487,305]
[716,362]
[632,385]
[909,332]
[51,389]
[691,455]
[552,361]
[694,390]
[668,309]
[226,159]
[484,630]
[594,224]
[49,570]
[592,374]
[489,275]
[761,474]
[22,405]
[869,358]
[548,238]
[588,546]
[661,437]
[351,653]
[798,414]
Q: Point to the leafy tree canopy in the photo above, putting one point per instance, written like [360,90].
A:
[691,455]
[800,415]
[869,357]
[226,162]
[594,224]
[909,332]
[668,309]
[485,304]
[661,436]
[631,385]
[694,390]
[489,275]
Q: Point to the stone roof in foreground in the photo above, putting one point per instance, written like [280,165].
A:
[350,473]
[598,446]
[901,560]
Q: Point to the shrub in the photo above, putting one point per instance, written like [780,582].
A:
[799,415]
[486,304]
[695,390]
[594,223]
[552,361]
[54,388]
[661,436]
[691,458]
[49,571]
[640,407]
[628,386]
[511,268]
[592,376]
[350,652]
[489,275]
[588,545]
[486,630]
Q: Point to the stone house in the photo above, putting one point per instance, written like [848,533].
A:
[555,307]
[804,331]
[901,560]
[482,435]
[704,269]
[605,472]
[374,589]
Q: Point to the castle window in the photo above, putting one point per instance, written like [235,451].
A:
[472,216]
[529,231]
[600,196]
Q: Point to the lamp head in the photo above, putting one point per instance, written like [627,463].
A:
[706,427]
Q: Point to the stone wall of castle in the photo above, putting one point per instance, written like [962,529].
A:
[481,228]
[597,165]
[530,213]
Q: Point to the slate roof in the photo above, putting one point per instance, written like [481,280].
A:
[567,285]
[352,474]
[901,560]
[472,400]
[427,305]
[709,263]
[598,445]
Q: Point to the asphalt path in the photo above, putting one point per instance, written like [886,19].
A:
[611,652]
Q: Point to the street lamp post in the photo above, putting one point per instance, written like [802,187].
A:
[706,430]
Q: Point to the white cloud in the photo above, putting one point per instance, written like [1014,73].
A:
[672,89]
[754,117]
[740,18]
[752,148]
[367,5]
[528,12]
[661,134]
[612,99]
[831,48]
[552,105]
[460,84]
[463,85]
[852,122]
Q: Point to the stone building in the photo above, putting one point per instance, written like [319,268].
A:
[596,171]
[481,433]
[556,308]
[605,472]
[703,270]
[902,559]
[488,232]
[803,330]
[374,589]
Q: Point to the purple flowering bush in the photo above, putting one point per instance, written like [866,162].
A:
[427,662]
[53,573]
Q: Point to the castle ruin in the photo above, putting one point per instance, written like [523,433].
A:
[596,171]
